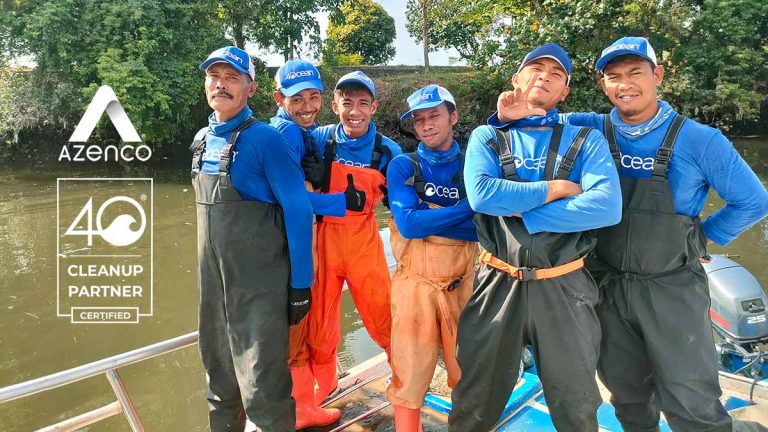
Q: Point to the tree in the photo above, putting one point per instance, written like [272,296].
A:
[418,23]
[148,51]
[363,27]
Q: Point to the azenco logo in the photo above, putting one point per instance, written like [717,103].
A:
[431,189]
[103,101]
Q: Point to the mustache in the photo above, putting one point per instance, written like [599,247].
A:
[221,93]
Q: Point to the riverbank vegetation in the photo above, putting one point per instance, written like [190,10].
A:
[715,54]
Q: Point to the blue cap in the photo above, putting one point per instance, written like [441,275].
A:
[234,56]
[297,75]
[427,97]
[638,46]
[553,51]
[360,78]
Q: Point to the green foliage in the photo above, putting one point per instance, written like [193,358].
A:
[332,57]
[364,28]
[148,51]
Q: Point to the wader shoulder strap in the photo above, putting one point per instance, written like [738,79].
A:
[502,147]
[567,161]
[198,148]
[664,153]
[610,135]
[458,178]
[379,150]
[226,152]
[329,155]
[418,179]
[554,146]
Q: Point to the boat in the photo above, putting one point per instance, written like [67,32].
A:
[740,338]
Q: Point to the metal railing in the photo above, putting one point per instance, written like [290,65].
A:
[107,366]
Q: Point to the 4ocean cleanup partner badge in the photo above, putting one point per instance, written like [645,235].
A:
[104,263]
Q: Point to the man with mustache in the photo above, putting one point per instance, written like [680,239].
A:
[299,99]
[254,223]
[657,352]
[539,188]
[349,248]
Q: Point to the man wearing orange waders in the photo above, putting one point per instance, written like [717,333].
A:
[435,244]
[299,99]
[540,188]
[349,248]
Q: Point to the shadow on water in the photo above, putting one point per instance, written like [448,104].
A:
[168,391]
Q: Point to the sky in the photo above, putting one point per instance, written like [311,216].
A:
[408,51]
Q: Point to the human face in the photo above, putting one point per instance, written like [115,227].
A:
[631,86]
[434,126]
[355,110]
[227,90]
[550,87]
[303,107]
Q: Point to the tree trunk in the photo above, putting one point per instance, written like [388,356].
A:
[237,33]
[424,32]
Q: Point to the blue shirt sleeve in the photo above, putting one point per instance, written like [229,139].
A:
[328,204]
[415,219]
[286,179]
[746,200]
[487,192]
[587,119]
[598,206]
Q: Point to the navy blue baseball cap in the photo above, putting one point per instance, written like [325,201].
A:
[427,97]
[552,51]
[234,56]
[638,46]
[359,78]
[297,75]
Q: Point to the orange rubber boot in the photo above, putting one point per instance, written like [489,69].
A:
[327,380]
[407,419]
[308,413]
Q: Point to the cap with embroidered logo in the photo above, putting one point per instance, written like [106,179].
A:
[427,97]
[552,51]
[297,75]
[234,56]
[359,78]
[638,46]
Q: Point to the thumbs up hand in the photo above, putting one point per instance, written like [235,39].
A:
[355,198]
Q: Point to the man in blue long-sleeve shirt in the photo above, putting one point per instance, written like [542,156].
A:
[254,244]
[540,188]
[434,242]
[657,352]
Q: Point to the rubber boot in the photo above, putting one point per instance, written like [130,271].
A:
[308,413]
[327,380]
[407,419]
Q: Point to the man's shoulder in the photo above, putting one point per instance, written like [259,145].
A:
[403,164]
[483,133]
[260,133]
[699,130]
[393,146]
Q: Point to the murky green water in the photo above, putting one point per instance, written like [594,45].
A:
[168,391]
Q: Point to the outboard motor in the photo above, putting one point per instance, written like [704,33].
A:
[739,313]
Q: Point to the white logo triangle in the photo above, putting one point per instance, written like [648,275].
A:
[105,100]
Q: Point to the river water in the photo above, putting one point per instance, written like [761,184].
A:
[168,391]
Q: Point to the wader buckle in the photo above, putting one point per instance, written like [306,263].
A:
[452,286]
[525,274]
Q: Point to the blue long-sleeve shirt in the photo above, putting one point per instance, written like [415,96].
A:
[354,151]
[413,217]
[598,206]
[265,168]
[322,204]
[702,157]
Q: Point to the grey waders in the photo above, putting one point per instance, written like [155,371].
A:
[657,350]
[554,314]
[244,273]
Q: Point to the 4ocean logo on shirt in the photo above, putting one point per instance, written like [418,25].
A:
[78,149]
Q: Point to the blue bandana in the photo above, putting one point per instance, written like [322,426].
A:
[551,118]
[436,157]
[633,132]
